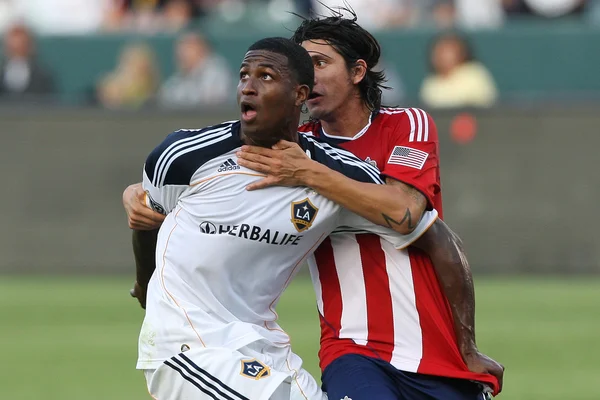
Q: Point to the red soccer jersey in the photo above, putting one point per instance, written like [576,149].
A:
[373,299]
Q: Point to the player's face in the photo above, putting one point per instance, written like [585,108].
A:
[269,100]
[333,85]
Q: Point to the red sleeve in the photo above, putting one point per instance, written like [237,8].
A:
[413,152]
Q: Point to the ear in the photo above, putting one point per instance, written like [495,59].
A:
[302,92]
[359,70]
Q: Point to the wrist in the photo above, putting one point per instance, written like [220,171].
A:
[309,176]
[468,348]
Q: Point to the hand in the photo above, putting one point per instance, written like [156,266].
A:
[285,164]
[140,216]
[139,293]
[481,364]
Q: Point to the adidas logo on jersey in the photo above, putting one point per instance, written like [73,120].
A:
[228,165]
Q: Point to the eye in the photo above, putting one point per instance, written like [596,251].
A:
[267,77]
[243,74]
[320,63]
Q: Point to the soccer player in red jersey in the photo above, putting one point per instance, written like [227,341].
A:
[393,324]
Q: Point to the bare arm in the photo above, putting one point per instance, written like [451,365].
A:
[446,251]
[396,205]
[144,250]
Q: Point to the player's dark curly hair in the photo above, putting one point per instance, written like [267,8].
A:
[353,43]
[299,60]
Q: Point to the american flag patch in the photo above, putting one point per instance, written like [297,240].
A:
[408,157]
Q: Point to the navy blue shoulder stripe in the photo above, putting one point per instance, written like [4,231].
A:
[340,160]
[175,160]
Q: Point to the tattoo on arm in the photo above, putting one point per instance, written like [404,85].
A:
[391,221]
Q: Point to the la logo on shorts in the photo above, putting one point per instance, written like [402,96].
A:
[254,369]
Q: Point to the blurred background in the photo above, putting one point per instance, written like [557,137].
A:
[89,87]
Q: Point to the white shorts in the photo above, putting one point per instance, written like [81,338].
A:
[254,372]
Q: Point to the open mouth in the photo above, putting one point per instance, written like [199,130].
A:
[248,112]
[314,95]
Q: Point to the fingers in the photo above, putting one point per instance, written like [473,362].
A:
[255,166]
[138,293]
[499,373]
[263,183]
[145,220]
[266,162]
[282,145]
[143,226]
[257,150]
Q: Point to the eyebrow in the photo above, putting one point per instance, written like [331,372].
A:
[267,65]
[314,54]
[262,65]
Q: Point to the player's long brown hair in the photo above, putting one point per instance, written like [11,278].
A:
[353,43]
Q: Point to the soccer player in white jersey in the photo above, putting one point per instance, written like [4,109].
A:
[224,255]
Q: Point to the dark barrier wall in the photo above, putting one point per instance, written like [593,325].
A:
[522,195]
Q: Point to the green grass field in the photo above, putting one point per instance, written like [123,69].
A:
[75,338]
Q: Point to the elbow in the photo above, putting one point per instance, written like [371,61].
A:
[404,221]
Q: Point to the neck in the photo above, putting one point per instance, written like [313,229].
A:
[348,121]
[268,139]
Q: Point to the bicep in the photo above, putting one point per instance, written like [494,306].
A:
[417,199]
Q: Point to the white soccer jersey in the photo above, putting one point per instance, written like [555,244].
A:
[224,254]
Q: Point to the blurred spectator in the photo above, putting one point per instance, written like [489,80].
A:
[386,13]
[544,8]
[8,14]
[457,79]
[202,77]
[21,75]
[134,81]
[395,13]
[479,14]
[153,15]
[63,17]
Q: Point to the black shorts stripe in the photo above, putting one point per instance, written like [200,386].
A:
[193,382]
[212,378]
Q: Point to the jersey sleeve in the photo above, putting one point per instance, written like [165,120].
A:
[358,224]
[413,157]
[340,160]
[165,176]
[161,199]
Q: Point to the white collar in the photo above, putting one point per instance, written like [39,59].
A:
[359,134]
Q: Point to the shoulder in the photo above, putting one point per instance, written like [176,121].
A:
[473,68]
[407,124]
[338,159]
[310,128]
[178,157]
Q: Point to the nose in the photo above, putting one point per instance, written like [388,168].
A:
[248,87]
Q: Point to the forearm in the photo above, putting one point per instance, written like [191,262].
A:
[144,250]
[386,205]
[445,249]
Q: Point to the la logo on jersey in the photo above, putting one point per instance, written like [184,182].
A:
[373,163]
[255,369]
[303,214]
